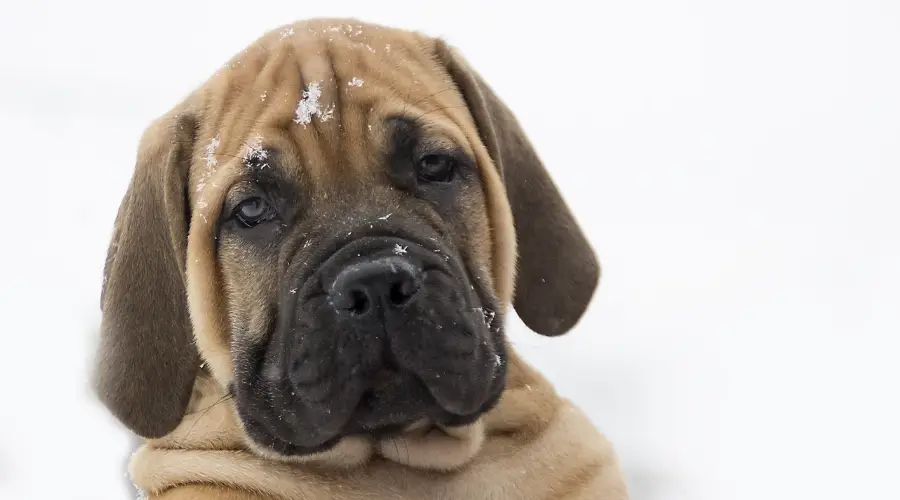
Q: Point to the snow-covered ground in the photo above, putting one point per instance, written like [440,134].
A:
[736,164]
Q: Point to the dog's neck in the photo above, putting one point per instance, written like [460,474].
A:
[209,448]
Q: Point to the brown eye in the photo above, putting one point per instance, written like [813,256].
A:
[437,168]
[252,211]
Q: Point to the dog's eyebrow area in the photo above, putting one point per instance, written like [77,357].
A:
[264,166]
[410,136]
[261,174]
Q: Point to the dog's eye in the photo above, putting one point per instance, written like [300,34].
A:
[437,168]
[252,211]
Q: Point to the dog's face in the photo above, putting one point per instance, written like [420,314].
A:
[327,221]
[360,302]
[360,305]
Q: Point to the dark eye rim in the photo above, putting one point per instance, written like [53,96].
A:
[448,174]
[267,214]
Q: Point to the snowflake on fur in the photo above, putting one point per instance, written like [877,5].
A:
[255,155]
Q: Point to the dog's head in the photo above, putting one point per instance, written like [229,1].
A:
[330,226]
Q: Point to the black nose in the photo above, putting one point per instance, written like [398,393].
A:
[388,282]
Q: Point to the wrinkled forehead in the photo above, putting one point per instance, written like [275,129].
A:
[325,93]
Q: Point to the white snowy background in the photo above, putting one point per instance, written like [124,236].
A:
[736,164]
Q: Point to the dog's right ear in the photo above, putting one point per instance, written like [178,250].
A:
[147,362]
[557,268]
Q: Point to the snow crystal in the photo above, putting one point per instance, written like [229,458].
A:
[355,82]
[263,96]
[210,155]
[387,47]
[309,104]
[486,315]
[203,178]
[327,114]
[286,33]
[400,249]
[255,154]
[254,147]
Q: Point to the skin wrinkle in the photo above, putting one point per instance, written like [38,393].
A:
[341,114]
[267,81]
[248,104]
[326,129]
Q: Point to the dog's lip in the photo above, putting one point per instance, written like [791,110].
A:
[271,433]
[270,430]
[265,433]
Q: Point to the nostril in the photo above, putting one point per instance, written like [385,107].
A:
[354,301]
[403,291]
[359,302]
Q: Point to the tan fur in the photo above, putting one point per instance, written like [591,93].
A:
[532,445]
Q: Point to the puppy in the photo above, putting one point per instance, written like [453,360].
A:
[305,292]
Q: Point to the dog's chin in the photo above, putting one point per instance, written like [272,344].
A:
[379,414]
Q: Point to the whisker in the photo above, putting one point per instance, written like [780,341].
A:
[226,154]
[406,101]
[205,412]
[220,400]
[416,119]
[244,143]
[406,446]
[396,447]
[430,96]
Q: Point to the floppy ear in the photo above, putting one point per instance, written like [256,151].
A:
[557,270]
[147,361]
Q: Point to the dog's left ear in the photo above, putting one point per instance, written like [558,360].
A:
[557,270]
[147,362]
